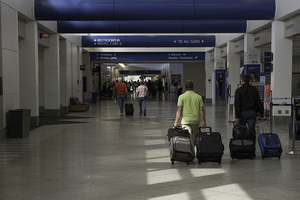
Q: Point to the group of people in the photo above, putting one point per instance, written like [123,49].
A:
[120,91]
[190,109]
[247,103]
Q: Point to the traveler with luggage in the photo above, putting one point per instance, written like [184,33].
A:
[190,107]
[120,91]
[141,94]
[247,103]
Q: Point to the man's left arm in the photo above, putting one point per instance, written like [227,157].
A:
[178,115]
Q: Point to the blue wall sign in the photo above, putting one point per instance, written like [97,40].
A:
[253,70]
[148,41]
[147,56]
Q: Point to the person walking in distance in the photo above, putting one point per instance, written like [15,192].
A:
[141,95]
[190,107]
[247,103]
[120,91]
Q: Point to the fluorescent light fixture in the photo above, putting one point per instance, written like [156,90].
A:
[122,65]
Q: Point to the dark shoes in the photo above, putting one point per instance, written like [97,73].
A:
[144,114]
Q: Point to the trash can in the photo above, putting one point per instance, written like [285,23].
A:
[94,97]
[19,123]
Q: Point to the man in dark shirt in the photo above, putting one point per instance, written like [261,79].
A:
[247,103]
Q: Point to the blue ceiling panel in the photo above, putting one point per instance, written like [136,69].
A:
[188,26]
[123,10]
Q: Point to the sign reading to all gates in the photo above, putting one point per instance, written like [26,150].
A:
[148,41]
[147,56]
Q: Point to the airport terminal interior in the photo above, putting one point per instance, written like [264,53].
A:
[99,154]
[61,132]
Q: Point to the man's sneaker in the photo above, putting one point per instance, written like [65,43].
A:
[121,114]
[144,114]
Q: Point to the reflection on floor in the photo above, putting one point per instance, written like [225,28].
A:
[100,155]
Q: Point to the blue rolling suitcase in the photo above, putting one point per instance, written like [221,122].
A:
[270,145]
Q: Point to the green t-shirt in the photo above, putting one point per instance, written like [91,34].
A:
[191,103]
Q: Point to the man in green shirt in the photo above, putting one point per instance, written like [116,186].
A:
[190,107]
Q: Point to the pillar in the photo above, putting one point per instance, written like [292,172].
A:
[209,68]
[233,68]
[9,65]
[29,82]
[52,77]
[65,74]
[281,76]
[219,64]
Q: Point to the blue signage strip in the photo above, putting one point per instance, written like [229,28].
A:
[148,41]
[147,56]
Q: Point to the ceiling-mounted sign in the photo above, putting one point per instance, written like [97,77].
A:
[148,41]
[147,56]
[268,56]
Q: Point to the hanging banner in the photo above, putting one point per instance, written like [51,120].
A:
[220,85]
[253,71]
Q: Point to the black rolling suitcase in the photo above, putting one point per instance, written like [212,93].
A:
[129,109]
[241,148]
[241,145]
[209,146]
[179,145]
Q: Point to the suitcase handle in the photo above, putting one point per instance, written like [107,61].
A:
[210,130]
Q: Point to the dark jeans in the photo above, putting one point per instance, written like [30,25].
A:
[249,117]
[121,99]
[142,102]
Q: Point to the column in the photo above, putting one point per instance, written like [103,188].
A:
[233,68]
[29,82]
[65,74]
[219,69]
[281,76]
[52,77]
[9,65]
[252,65]
[209,68]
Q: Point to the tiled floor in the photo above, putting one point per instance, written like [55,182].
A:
[118,157]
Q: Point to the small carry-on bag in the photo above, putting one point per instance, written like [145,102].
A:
[242,148]
[209,146]
[180,149]
[129,109]
[241,132]
[270,145]
[177,131]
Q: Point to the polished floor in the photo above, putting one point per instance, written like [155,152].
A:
[99,154]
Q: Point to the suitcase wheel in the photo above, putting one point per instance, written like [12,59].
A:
[199,162]
[278,157]
[188,163]
[219,162]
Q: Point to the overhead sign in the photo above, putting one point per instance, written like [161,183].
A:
[268,56]
[148,41]
[268,67]
[147,56]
